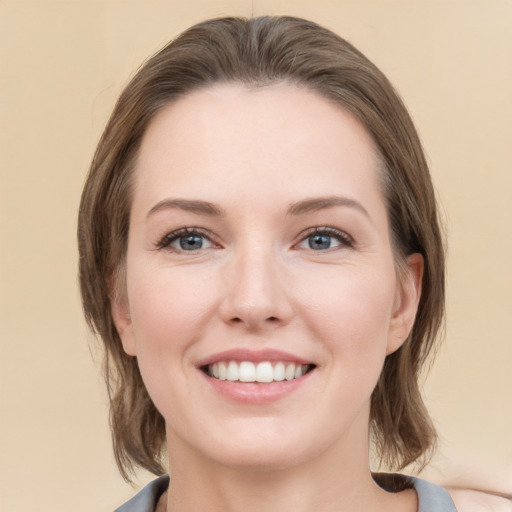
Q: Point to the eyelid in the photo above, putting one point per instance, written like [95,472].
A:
[166,241]
[346,240]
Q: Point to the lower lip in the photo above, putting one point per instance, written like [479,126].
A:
[254,392]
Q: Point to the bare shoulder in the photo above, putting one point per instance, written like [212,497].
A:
[472,500]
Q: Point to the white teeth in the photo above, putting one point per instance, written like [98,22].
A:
[264,372]
[232,373]
[290,372]
[222,371]
[279,372]
[247,372]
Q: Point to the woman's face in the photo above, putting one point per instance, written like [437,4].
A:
[262,296]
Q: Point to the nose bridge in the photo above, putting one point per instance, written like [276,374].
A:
[255,294]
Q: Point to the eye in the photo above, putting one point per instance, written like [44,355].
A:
[323,239]
[185,240]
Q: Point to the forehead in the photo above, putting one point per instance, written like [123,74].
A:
[229,135]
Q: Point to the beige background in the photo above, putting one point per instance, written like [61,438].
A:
[62,65]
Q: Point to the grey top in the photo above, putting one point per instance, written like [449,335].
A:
[431,497]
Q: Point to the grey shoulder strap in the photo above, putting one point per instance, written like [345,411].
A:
[147,498]
[432,498]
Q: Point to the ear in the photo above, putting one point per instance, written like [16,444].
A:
[123,322]
[120,310]
[407,298]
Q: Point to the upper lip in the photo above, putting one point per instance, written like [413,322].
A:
[255,356]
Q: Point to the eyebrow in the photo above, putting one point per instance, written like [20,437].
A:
[297,208]
[189,205]
[321,203]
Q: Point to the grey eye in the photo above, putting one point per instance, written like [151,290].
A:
[323,239]
[319,242]
[186,240]
[190,242]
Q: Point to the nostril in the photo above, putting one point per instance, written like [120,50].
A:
[254,320]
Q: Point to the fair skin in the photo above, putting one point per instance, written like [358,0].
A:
[259,236]
[469,499]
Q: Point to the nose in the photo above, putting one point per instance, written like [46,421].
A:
[256,297]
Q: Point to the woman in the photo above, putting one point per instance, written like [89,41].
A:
[261,255]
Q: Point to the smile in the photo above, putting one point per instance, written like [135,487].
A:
[262,372]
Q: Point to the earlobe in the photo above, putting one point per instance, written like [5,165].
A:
[408,295]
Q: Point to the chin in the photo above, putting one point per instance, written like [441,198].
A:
[264,444]
[260,458]
[256,444]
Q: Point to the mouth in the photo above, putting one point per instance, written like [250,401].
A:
[264,372]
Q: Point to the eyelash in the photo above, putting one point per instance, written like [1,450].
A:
[169,238]
[343,238]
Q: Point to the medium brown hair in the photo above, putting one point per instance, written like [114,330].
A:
[258,52]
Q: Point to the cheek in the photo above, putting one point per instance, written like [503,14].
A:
[170,312]
[167,308]
[351,311]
